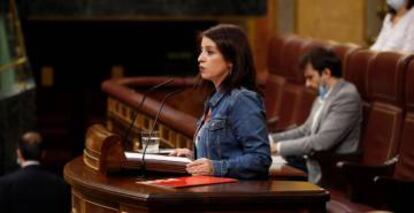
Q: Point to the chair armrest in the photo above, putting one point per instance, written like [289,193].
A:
[352,169]
[327,161]
[359,179]
[393,183]
[356,172]
[330,157]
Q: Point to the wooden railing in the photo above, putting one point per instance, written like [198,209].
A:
[176,128]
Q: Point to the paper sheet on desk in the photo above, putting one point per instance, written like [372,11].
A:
[162,151]
[277,162]
[138,156]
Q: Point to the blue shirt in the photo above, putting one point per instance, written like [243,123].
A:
[235,136]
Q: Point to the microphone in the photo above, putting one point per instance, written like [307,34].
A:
[144,96]
[175,92]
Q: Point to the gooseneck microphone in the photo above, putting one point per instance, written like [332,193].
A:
[144,96]
[156,119]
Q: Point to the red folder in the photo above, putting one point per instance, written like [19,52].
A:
[189,181]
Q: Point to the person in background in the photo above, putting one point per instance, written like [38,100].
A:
[335,119]
[397,33]
[31,188]
[231,138]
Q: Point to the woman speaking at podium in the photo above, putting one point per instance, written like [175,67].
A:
[231,137]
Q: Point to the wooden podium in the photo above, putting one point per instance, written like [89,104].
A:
[93,191]
[99,186]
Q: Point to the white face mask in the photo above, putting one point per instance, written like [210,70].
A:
[396,4]
[322,88]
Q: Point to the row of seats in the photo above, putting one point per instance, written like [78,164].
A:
[385,81]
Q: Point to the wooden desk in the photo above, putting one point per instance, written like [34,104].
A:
[95,192]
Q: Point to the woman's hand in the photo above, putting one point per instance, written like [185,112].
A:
[274,148]
[201,166]
[182,152]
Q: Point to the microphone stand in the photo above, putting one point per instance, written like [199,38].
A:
[155,87]
[155,123]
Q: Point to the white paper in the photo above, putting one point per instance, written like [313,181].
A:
[277,162]
[138,156]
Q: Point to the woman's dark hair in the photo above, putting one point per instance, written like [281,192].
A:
[321,58]
[233,44]
[392,11]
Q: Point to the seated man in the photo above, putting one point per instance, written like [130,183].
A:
[32,189]
[335,119]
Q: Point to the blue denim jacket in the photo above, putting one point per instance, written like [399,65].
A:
[235,137]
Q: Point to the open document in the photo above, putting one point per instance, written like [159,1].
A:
[158,162]
[156,157]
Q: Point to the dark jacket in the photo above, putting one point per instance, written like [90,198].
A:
[32,189]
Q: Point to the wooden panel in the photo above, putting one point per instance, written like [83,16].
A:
[93,206]
[340,20]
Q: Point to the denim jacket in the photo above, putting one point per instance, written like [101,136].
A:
[235,137]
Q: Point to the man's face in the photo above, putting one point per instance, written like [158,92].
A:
[312,77]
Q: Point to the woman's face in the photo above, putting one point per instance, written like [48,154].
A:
[211,62]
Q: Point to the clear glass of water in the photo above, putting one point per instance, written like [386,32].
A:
[151,141]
